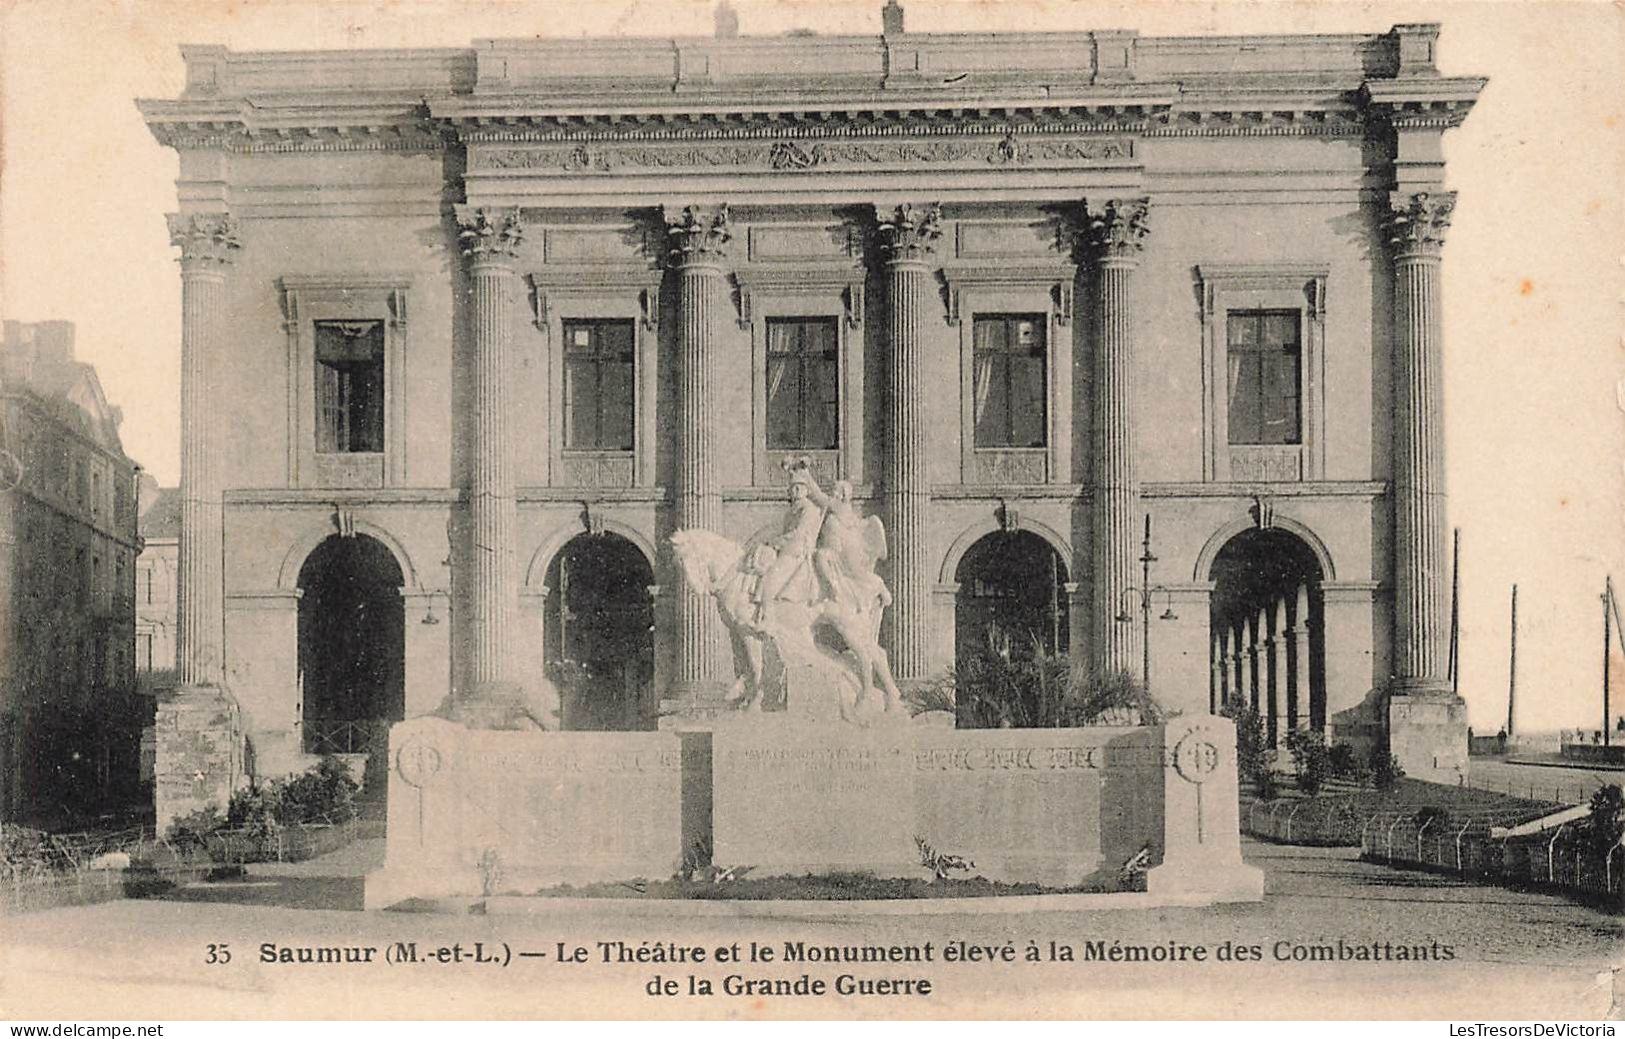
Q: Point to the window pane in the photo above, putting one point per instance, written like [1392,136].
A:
[990,333]
[818,336]
[1027,413]
[580,403]
[819,406]
[1280,399]
[1242,330]
[367,423]
[1281,329]
[992,402]
[1244,404]
[783,403]
[616,405]
[329,414]
[615,340]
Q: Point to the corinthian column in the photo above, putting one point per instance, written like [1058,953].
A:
[1416,230]
[490,242]
[1115,235]
[905,239]
[1427,722]
[206,241]
[697,239]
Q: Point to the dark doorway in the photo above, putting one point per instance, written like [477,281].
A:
[1266,630]
[1012,598]
[600,634]
[352,651]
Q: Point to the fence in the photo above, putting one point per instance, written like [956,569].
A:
[325,736]
[1561,858]
[49,870]
[1575,791]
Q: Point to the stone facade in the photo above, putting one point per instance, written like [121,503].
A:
[70,720]
[1123,200]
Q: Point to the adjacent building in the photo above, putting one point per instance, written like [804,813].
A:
[1096,322]
[70,720]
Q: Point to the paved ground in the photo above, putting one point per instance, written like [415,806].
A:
[1516,955]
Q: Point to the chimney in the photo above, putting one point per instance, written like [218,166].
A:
[54,341]
[891,18]
[727,21]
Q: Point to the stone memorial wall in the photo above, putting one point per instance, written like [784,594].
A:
[479,812]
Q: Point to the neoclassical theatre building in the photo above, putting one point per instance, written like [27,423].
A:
[1134,344]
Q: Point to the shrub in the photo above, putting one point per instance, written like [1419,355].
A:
[1607,823]
[323,793]
[1252,761]
[1311,758]
[193,830]
[1115,698]
[1385,770]
[1341,759]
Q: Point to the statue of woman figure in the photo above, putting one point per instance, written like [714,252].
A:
[848,546]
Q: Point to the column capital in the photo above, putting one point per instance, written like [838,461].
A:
[697,235]
[490,236]
[206,240]
[908,233]
[1115,231]
[1417,221]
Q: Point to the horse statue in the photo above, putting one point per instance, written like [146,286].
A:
[818,575]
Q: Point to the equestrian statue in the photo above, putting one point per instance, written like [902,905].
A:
[816,576]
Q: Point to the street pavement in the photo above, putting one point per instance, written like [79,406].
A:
[1512,955]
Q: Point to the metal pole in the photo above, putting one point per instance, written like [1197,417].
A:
[1607,654]
[1455,612]
[1512,665]
[1146,559]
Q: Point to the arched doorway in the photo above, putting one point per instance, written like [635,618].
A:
[1267,636]
[1011,609]
[352,639]
[599,625]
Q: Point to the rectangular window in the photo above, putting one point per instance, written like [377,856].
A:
[349,386]
[803,394]
[146,584]
[143,652]
[1265,369]
[598,385]
[1009,378]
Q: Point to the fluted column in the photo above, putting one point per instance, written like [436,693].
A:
[1297,696]
[1115,235]
[697,239]
[906,237]
[1416,231]
[207,242]
[1274,657]
[490,242]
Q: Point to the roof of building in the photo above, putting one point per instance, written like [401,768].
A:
[38,359]
[160,511]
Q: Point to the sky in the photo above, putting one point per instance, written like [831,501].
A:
[1534,276]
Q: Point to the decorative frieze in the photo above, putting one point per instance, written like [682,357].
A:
[599,470]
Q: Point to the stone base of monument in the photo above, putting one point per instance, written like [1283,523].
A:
[1427,733]
[199,751]
[792,792]
[476,812]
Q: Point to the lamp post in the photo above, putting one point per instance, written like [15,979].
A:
[1145,593]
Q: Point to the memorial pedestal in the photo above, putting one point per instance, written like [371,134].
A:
[791,797]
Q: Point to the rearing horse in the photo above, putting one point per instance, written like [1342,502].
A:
[715,565]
